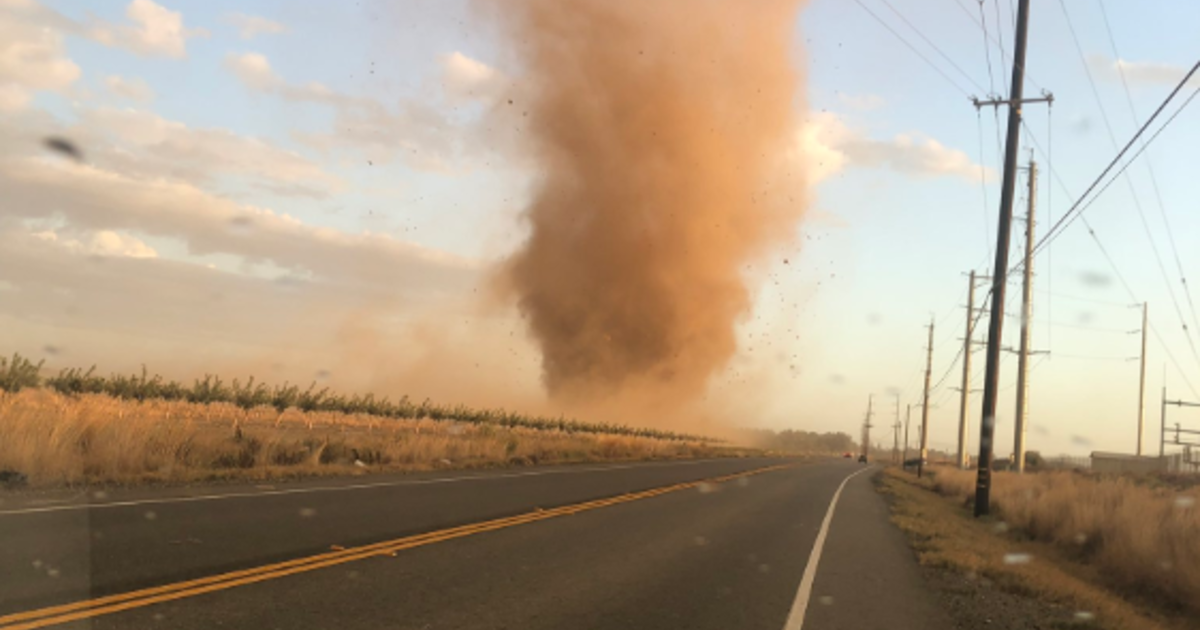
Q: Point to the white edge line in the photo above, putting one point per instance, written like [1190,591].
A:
[359,486]
[795,619]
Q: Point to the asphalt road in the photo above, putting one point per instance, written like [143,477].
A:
[653,549]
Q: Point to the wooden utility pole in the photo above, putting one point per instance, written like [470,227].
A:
[907,417]
[896,432]
[965,398]
[925,403]
[866,445]
[1026,326]
[991,382]
[1142,381]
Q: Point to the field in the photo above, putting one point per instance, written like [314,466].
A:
[1141,535]
[48,438]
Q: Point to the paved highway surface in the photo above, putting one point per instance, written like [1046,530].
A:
[748,543]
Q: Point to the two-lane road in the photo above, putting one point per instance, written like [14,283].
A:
[632,546]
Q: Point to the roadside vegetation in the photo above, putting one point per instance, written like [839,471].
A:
[20,373]
[1104,552]
[52,439]
[78,428]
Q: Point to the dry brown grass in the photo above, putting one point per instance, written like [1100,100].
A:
[53,439]
[944,535]
[1145,540]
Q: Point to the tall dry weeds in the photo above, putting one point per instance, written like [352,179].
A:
[1144,539]
[52,439]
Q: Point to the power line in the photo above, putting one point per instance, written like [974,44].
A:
[933,45]
[1187,334]
[987,51]
[987,232]
[1004,57]
[999,34]
[1150,167]
[1088,357]
[1066,296]
[1120,277]
[987,55]
[1136,199]
[1101,329]
[1075,207]
[913,48]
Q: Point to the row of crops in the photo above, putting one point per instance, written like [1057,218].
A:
[19,372]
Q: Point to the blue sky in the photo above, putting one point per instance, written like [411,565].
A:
[897,219]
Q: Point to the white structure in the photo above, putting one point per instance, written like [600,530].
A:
[1122,463]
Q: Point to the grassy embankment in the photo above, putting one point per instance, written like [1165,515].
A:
[1122,555]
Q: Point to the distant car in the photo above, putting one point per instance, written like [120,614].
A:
[862,459]
[847,456]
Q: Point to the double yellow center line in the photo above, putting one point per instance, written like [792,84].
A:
[65,613]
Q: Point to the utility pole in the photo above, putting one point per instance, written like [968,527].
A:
[896,432]
[907,417]
[1162,434]
[866,445]
[983,484]
[964,400]
[925,403]
[1142,381]
[1026,319]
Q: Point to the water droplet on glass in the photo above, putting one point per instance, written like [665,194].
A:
[37,564]
[52,573]
[1017,558]
[1083,615]
[1080,538]
[159,616]
[150,516]
[825,600]
[307,512]
[764,568]
[706,488]
[1000,527]
[1185,502]
[701,541]
[743,482]
[99,495]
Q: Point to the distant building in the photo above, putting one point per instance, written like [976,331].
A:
[1121,463]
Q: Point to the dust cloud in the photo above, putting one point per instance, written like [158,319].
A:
[659,131]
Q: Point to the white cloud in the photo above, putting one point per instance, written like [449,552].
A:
[13,98]
[861,102]
[32,54]
[1139,72]
[464,77]
[826,146]
[253,70]
[911,154]
[142,143]
[101,243]
[155,31]
[414,131]
[133,89]
[249,26]
[89,199]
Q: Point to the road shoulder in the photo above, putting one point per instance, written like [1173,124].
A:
[868,578]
